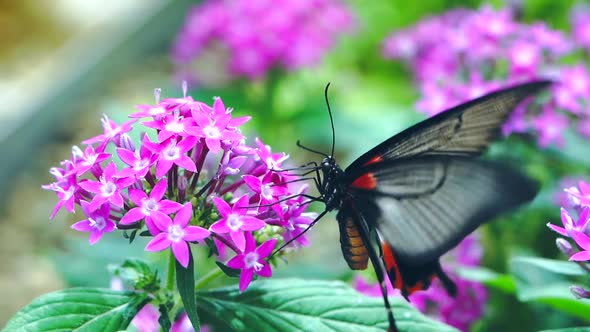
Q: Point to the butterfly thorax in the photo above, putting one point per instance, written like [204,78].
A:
[332,187]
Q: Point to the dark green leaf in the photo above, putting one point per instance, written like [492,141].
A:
[551,265]
[489,278]
[547,284]
[306,305]
[571,329]
[79,309]
[132,236]
[185,281]
[164,318]
[228,270]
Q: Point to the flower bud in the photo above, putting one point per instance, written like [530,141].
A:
[564,246]
[580,292]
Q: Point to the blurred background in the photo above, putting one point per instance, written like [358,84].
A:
[65,63]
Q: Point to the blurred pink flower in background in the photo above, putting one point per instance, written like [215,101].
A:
[463,54]
[254,36]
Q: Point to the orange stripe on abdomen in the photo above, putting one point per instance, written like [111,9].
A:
[353,248]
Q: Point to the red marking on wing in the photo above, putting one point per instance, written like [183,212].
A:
[391,266]
[374,160]
[366,181]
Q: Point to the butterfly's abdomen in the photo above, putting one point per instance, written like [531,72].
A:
[353,247]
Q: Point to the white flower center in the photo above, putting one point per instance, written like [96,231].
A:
[175,233]
[108,189]
[98,223]
[149,205]
[266,191]
[175,126]
[141,164]
[234,222]
[211,132]
[251,261]
[171,152]
[156,110]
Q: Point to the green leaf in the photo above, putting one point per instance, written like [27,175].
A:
[503,282]
[78,309]
[544,281]
[551,265]
[138,274]
[185,281]
[306,305]
[228,271]
[164,318]
[571,329]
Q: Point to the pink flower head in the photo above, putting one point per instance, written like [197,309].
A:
[176,234]
[97,223]
[87,159]
[139,161]
[580,196]
[267,188]
[550,126]
[524,59]
[170,125]
[151,208]
[172,152]
[581,25]
[235,221]
[112,131]
[215,126]
[108,188]
[570,226]
[252,260]
[271,160]
[584,242]
[65,187]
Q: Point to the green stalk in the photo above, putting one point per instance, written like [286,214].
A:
[209,277]
[171,276]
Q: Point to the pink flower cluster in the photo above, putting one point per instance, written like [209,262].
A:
[191,179]
[460,311]
[576,226]
[463,54]
[257,35]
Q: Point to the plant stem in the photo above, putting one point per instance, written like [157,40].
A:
[207,278]
[170,278]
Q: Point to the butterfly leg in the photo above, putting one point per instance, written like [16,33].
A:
[379,270]
[448,284]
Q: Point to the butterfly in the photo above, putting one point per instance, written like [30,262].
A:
[415,196]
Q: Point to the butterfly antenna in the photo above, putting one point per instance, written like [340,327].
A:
[310,150]
[331,119]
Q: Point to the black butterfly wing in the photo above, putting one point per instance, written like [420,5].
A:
[424,206]
[465,130]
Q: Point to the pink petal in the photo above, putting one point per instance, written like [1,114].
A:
[187,143]
[584,187]
[195,233]
[163,167]
[161,220]
[222,206]
[82,226]
[94,237]
[109,171]
[158,243]
[159,190]
[238,121]
[213,144]
[238,239]
[183,216]
[252,182]
[137,196]
[132,216]
[195,131]
[127,156]
[558,229]
[116,199]
[241,204]
[251,223]
[186,163]
[236,262]
[219,227]
[168,207]
[581,256]
[154,230]
[566,219]
[91,186]
[245,278]
[582,240]
[231,135]
[266,271]
[180,250]
[266,248]
[97,201]
[218,107]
